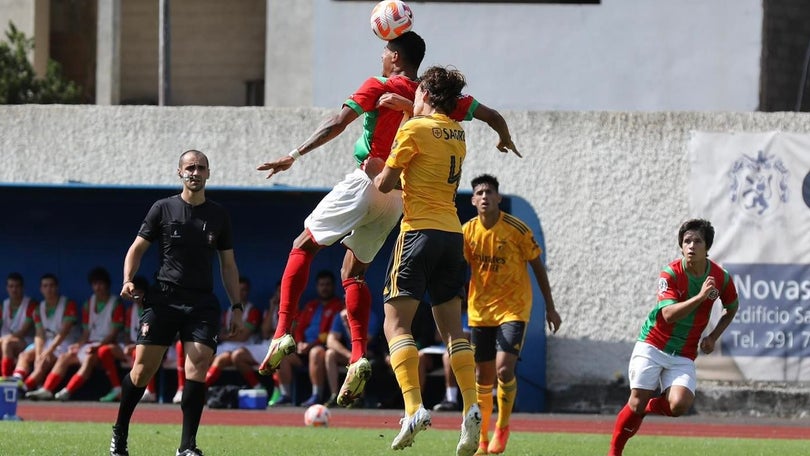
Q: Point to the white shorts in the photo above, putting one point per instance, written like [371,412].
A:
[82,354]
[355,207]
[259,350]
[62,348]
[229,346]
[651,368]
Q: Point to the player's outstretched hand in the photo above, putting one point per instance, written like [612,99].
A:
[282,164]
[505,145]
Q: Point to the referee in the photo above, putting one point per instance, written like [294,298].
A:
[189,230]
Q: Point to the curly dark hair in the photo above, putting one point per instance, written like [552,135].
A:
[443,86]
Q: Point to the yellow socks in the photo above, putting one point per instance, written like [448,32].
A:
[462,361]
[506,398]
[485,402]
[405,362]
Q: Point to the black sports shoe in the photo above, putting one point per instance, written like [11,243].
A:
[447,406]
[193,451]
[118,443]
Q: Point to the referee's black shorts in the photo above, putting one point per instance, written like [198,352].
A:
[170,310]
[426,260]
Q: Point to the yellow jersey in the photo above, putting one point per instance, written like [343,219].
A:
[500,287]
[430,151]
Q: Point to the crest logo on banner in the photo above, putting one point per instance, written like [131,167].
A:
[755,189]
[758,184]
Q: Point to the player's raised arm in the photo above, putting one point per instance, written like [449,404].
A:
[496,121]
[329,129]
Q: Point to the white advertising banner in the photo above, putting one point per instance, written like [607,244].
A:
[755,189]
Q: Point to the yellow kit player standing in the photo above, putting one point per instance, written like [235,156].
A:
[497,246]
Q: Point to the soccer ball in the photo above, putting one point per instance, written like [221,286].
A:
[317,416]
[391,18]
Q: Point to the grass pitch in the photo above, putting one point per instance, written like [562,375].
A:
[50,438]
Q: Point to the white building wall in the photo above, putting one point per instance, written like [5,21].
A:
[609,188]
[620,55]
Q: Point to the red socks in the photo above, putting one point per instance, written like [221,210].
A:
[212,375]
[251,378]
[30,383]
[293,283]
[75,383]
[8,367]
[107,360]
[52,382]
[358,308]
[659,406]
[627,424]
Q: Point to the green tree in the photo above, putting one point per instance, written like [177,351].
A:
[18,82]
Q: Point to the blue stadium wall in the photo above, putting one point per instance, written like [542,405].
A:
[69,229]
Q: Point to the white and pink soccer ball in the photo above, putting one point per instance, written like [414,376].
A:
[317,416]
[391,18]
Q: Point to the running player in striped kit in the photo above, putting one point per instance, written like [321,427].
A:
[665,351]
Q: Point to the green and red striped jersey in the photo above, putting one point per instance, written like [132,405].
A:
[681,338]
[380,125]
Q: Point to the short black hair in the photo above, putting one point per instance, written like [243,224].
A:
[485,179]
[410,46]
[49,275]
[16,276]
[245,280]
[704,227]
[99,274]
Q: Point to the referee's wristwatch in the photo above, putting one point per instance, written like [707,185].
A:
[237,306]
